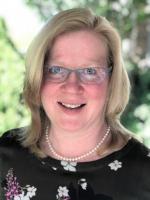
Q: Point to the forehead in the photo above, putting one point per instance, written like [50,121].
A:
[79,46]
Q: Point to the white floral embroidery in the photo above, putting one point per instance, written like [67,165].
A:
[27,193]
[54,168]
[31,191]
[115,165]
[62,192]
[69,166]
[148,154]
[83,183]
[14,191]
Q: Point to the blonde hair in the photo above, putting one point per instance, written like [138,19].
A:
[66,21]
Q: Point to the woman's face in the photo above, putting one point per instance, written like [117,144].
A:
[73,105]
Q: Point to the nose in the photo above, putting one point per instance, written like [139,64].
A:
[73,77]
[73,84]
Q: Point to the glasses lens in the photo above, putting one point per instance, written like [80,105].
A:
[56,73]
[92,74]
[89,75]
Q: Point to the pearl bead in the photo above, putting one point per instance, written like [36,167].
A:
[78,157]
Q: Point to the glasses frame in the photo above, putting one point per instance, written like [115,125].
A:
[107,70]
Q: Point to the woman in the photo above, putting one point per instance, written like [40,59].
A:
[75,147]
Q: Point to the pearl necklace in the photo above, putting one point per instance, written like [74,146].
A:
[78,157]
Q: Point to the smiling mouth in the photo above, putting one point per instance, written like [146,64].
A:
[71,106]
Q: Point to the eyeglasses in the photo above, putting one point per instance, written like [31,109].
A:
[88,75]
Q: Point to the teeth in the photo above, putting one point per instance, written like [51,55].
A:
[71,105]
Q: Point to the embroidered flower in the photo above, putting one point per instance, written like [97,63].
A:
[12,186]
[27,193]
[54,168]
[148,154]
[115,165]
[62,193]
[31,191]
[14,191]
[21,197]
[43,163]
[82,182]
[69,166]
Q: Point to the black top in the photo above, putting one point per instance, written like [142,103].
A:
[122,175]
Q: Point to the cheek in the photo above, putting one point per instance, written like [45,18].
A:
[48,99]
[48,89]
[98,93]
[47,93]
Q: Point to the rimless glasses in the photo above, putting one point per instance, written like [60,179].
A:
[88,75]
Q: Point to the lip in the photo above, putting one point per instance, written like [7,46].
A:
[69,110]
[72,102]
[72,106]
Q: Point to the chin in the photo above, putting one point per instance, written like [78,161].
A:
[72,126]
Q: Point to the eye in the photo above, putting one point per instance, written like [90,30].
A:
[55,69]
[90,71]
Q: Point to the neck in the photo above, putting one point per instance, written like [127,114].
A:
[69,144]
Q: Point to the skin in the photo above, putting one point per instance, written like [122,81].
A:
[80,128]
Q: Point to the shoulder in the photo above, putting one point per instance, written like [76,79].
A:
[138,149]
[11,147]
[11,137]
[139,157]
[136,155]
[142,163]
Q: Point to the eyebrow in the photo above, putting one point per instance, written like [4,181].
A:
[101,60]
